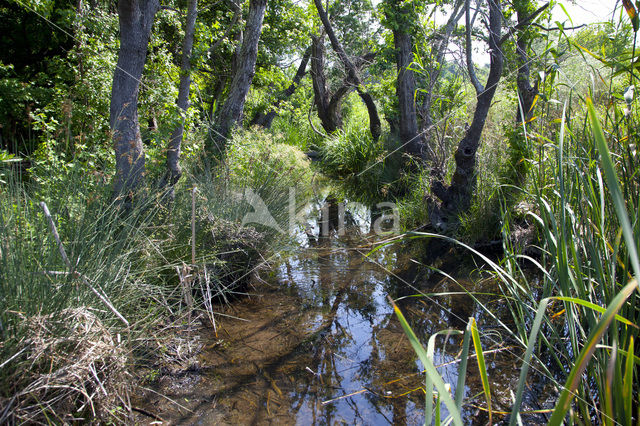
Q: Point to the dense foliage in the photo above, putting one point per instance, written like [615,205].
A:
[542,162]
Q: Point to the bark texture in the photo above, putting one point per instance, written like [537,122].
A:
[327,103]
[405,90]
[174,171]
[136,20]
[353,77]
[265,119]
[231,111]
[526,92]
[456,197]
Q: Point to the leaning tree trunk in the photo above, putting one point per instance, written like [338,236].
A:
[456,198]
[136,20]
[231,111]
[265,120]
[352,73]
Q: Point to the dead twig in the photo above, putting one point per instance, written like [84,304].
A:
[85,281]
[148,413]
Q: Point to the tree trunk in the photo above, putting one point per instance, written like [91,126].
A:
[405,90]
[136,20]
[526,92]
[456,198]
[433,152]
[265,120]
[352,73]
[328,104]
[231,111]
[174,170]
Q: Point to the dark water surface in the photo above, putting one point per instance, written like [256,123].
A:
[317,341]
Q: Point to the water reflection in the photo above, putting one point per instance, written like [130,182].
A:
[319,343]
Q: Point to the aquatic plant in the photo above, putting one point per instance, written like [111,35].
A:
[589,240]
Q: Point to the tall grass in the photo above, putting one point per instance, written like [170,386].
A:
[366,171]
[588,268]
[49,310]
[575,305]
[61,343]
[581,317]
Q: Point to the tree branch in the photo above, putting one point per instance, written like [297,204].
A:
[523,23]
[557,28]
[469,49]
[169,8]
[234,20]
[352,73]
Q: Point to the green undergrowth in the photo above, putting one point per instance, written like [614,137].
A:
[69,327]
[365,170]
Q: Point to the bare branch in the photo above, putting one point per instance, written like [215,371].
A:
[84,279]
[469,49]
[523,23]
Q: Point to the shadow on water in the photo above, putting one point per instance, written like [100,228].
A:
[317,342]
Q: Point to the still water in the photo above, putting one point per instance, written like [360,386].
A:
[317,342]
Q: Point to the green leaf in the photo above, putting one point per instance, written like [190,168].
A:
[594,307]
[482,366]
[633,14]
[462,370]
[429,367]
[557,417]
[614,186]
[627,387]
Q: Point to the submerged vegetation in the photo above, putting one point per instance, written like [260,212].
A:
[140,194]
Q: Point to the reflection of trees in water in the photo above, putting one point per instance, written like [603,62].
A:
[334,218]
[344,291]
[344,288]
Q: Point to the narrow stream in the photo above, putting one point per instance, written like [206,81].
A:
[317,341]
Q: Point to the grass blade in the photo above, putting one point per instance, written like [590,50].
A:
[429,367]
[537,322]
[481,366]
[614,186]
[627,388]
[587,351]
[462,370]
[594,307]
[431,348]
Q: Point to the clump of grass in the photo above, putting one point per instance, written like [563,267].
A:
[76,366]
[258,161]
[366,170]
[50,311]
[412,206]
